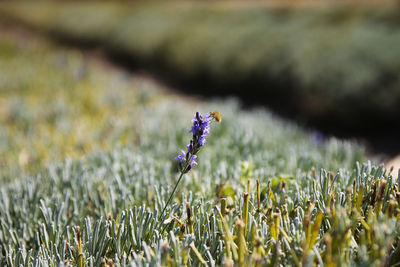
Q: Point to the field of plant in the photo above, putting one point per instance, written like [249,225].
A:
[87,166]
[319,61]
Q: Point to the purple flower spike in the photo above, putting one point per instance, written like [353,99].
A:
[200,129]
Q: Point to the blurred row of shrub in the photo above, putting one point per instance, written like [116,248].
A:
[333,65]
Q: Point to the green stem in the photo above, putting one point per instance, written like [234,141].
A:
[176,185]
[172,194]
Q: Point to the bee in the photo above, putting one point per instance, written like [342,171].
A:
[216,115]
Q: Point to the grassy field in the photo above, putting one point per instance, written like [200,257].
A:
[318,61]
[87,164]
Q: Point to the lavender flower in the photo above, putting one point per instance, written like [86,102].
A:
[318,137]
[181,157]
[192,162]
[200,129]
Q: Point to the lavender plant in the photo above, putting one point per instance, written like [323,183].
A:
[278,197]
[200,129]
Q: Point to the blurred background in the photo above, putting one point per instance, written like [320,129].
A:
[331,66]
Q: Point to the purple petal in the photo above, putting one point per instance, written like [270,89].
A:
[192,162]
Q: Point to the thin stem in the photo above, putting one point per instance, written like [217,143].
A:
[172,194]
[173,191]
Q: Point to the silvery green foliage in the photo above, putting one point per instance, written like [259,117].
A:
[116,196]
[39,213]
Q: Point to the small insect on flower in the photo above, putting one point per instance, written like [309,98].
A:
[186,160]
[215,114]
